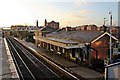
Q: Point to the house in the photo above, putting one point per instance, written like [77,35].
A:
[92,27]
[18,27]
[52,24]
[87,27]
[83,45]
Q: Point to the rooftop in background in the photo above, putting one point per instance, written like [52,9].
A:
[52,24]
[5,28]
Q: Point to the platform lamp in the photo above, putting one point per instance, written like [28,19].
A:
[110,15]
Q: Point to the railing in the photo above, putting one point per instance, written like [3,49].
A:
[116,51]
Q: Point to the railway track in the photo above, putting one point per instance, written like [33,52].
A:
[28,66]
[33,67]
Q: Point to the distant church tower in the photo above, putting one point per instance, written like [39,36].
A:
[45,23]
[37,24]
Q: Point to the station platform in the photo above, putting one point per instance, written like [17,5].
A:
[4,65]
[7,68]
[83,72]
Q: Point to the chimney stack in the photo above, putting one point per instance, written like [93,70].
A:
[45,23]
[37,24]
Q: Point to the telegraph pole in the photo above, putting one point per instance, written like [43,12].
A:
[110,36]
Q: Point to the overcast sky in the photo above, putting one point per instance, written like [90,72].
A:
[67,12]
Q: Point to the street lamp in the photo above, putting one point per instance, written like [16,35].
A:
[110,36]
[104,21]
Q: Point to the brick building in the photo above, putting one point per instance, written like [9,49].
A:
[85,45]
[6,33]
[52,24]
[87,27]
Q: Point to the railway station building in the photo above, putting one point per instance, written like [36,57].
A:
[82,46]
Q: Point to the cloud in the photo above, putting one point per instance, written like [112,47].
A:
[78,16]
[86,1]
[82,13]
[85,11]
[80,2]
[72,0]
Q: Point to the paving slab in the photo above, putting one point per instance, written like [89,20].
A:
[6,74]
[1,61]
[86,72]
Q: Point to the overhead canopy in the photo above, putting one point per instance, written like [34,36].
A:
[61,43]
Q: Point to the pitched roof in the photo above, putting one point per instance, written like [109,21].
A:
[105,33]
[83,36]
[80,36]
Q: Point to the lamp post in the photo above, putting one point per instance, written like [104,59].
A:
[104,27]
[110,36]
[104,21]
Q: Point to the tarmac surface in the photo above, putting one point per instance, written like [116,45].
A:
[83,72]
